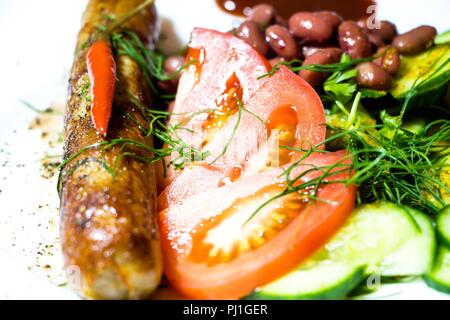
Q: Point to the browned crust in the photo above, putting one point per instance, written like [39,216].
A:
[109,233]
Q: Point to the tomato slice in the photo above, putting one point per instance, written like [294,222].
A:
[222,76]
[211,253]
[284,105]
[213,58]
[220,69]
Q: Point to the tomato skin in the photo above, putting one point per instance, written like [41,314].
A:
[235,279]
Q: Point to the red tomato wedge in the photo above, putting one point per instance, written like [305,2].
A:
[211,253]
[282,102]
[212,59]
[219,68]
[220,82]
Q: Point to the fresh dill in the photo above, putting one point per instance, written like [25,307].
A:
[403,170]
[295,66]
[35,109]
[121,20]
[151,62]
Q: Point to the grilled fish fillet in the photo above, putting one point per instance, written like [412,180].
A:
[109,233]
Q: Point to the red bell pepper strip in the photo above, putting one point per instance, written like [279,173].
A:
[102,74]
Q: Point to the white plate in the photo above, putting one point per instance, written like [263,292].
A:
[38,38]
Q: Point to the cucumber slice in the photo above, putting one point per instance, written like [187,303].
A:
[442,38]
[382,238]
[432,67]
[443,227]
[322,281]
[439,278]
[389,239]
[416,256]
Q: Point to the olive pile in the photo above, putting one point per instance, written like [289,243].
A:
[321,37]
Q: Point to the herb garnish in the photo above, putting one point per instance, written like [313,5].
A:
[294,66]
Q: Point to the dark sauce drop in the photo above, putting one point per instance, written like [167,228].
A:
[349,9]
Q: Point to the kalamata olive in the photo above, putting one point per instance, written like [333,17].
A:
[375,40]
[250,32]
[372,76]
[173,64]
[332,17]
[171,106]
[362,23]
[263,14]
[387,31]
[415,40]
[281,41]
[168,86]
[354,40]
[389,59]
[281,21]
[309,50]
[310,27]
[276,60]
[320,56]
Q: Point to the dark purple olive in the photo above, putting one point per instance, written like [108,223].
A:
[320,56]
[263,14]
[309,27]
[309,50]
[167,86]
[276,60]
[171,106]
[375,40]
[372,76]
[383,29]
[415,41]
[387,31]
[362,23]
[281,41]
[251,33]
[389,59]
[354,40]
[332,17]
[281,21]
[173,64]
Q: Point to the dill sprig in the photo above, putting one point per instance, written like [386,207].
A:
[135,11]
[151,62]
[295,65]
[172,144]
[403,170]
